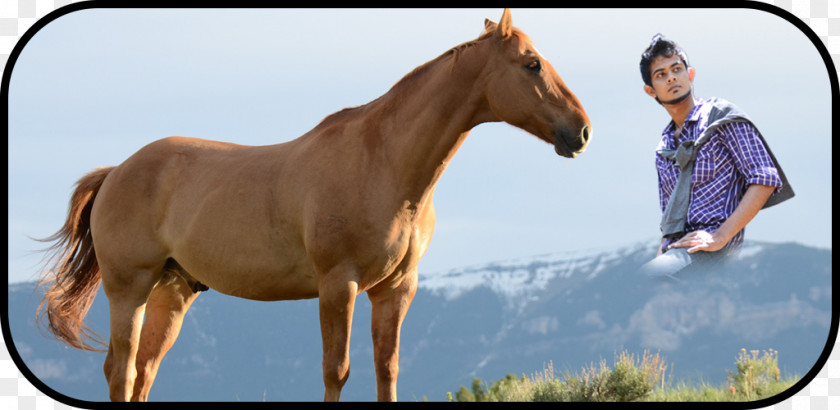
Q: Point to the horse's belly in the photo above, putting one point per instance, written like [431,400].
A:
[264,280]
[265,285]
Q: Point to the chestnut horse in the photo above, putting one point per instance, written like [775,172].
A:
[346,208]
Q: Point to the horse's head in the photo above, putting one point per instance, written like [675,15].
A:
[524,90]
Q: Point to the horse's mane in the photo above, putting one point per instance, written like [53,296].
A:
[452,55]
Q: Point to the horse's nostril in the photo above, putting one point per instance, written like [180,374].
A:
[585,133]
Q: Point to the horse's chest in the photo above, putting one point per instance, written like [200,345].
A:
[398,255]
[377,249]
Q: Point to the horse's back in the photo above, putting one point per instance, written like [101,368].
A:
[167,172]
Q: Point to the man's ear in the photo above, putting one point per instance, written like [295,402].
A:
[649,91]
[691,74]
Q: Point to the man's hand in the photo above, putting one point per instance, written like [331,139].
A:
[753,200]
[699,241]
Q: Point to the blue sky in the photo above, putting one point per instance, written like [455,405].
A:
[94,86]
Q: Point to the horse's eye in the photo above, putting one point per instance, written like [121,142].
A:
[533,65]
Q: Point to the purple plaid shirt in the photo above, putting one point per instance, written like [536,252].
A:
[731,160]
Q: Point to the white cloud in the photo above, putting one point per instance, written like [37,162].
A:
[592,318]
[542,325]
[48,369]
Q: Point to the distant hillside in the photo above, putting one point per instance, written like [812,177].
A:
[484,321]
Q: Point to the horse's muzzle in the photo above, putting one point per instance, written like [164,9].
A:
[570,145]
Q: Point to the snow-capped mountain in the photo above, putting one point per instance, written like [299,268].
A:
[518,280]
[487,321]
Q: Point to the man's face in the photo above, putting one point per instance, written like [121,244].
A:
[670,79]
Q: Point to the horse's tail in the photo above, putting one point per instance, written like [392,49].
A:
[73,282]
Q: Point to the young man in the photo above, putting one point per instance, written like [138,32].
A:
[729,171]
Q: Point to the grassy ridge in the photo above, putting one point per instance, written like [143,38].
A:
[634,378]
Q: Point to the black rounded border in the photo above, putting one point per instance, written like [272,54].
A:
[88,4]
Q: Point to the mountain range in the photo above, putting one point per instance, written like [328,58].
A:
[515,317]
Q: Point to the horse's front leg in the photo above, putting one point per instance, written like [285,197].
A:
[389,309]
[337,296]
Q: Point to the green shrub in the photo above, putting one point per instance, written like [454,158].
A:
[480,392]
[630,380]
[755,374]
[634,379]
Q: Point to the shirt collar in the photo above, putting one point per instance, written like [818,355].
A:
[693,117]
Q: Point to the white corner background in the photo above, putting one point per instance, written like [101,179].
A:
[17,16]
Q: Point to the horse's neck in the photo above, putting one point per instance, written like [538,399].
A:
[428,121]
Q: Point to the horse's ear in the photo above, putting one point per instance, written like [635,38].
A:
[489,26]
[505,27]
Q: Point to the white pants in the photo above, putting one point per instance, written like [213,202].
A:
[676,260]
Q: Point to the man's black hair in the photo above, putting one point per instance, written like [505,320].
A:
[659,47]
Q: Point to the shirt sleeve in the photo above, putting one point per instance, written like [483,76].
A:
[664,193]
[750,155]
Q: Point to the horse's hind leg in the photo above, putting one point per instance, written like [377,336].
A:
[165,312]
[127,291]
